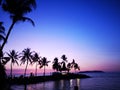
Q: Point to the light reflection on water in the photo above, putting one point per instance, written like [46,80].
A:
[100,81]
[51,85]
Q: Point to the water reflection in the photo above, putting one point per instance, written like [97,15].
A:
[52,85]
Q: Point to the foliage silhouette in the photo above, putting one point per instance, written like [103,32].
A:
[17,10]
[36,59]
[43,63]
[56,65]
[13,57]
[26,57]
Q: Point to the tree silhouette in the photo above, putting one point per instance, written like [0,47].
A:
[63,63]
[69,66]
[36,59]
[17,10]
[13,56]
[75,65]
[64,58]
[56,65]
[43,63]
[26,57]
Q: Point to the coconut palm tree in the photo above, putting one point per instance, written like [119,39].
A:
[56,65]
[69,66]
[17,10]
[13,56]
[44,63]
[75,65]
[26,57]
[36,59]
[63,67]
[64,58]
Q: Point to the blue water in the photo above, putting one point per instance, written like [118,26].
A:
[99,81]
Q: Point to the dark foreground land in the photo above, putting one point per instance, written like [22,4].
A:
[37,79]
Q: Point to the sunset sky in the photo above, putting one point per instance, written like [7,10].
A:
[85,30]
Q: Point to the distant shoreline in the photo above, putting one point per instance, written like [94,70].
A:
[95,71]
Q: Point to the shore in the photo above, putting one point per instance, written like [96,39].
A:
[38,79]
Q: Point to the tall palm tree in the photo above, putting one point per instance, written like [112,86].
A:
[17,10]
[26,57]
[36,59]
[13,56]
[44,63]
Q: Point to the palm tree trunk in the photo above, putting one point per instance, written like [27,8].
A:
[9,31]
[44,70]
[36,70]
[26,68]
[11,70]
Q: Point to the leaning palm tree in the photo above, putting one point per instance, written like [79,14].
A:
[13,56]
[44,63]
[26,57]
[36,59]
[17,10]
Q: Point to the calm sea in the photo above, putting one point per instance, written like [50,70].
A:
[99,81]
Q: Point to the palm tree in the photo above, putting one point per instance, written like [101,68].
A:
[75,65]
[56,65]
[26,57]
[69,66]
[17,10]
[64,68]
[13,56]
[36,59]
[44,63]
[64,58]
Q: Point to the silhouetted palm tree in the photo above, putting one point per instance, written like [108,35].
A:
[17,10]
[64,58]
[75,65]
[36,59]
[44,63]
[13,56]
[63,67]
[56,65]
[69,66]
[26,57]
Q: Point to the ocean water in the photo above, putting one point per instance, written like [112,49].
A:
[99,81]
